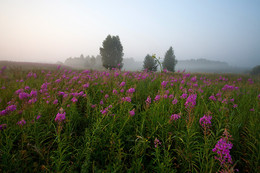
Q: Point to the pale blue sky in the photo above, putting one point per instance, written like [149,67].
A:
[50,31]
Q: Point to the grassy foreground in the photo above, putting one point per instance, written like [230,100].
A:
[115,121]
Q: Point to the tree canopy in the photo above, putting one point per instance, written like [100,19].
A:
[169,60]
[112,52]
[149,63]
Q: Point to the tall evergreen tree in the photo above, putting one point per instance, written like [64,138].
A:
[149,63]
[112,52]
[169,60]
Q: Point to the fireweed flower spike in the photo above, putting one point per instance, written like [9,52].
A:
[175,101]
[126,99]
[205,121]
[132,112]
[21,123]
[157,97]
[222,148]
[174,117]
[74,99]
[61,116]
[55,101]
[191,101]
[131,90]
[164,83]
[212,98]
[122,84]
[148,100]
[183,96]
[3,126]
[115,91]
[156,142]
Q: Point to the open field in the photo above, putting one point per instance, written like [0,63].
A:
[115,121]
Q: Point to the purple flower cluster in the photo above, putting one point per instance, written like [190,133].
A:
[122,84]
[164,83]
[126,99]
[132,112]
[175,101]
[2,69]
[131,90]
[205,121]
[105,111]
[212,98]
[228,87]
[156,142]
[60,117]
[175,117]
[33,93]
[8,110]
[11,108]
[58,81]
[148,100]
[194,79]
[38,117]
[55,102]
[74,99]
[191,101]
[21,123]
[157,97]
[115,91]
[86,85]
[250,81]
[23,95]
[3,126]
[31,74]
[222,148]
[183,96]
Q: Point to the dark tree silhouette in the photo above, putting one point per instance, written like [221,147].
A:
[169,60]
[256,70]
[149,63]
[112,52]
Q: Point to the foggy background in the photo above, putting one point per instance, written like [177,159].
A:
[50,31]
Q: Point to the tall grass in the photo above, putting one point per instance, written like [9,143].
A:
[100,134]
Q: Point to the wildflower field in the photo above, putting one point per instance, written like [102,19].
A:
[115,121]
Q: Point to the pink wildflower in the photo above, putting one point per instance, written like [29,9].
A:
[156,142]
[132,112]
[60,117]
[21,123]
[175,117]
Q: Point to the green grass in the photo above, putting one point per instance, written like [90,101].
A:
[89,141]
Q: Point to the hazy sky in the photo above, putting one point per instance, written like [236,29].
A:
[51,31]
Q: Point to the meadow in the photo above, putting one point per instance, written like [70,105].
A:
[63,120]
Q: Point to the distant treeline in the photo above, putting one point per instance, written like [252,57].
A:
[129,64]
[81,62]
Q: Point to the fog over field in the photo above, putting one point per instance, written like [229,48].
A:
[130,86]
[51,31]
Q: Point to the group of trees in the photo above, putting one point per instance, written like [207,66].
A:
[169,62]
[83,62]
[112,56]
